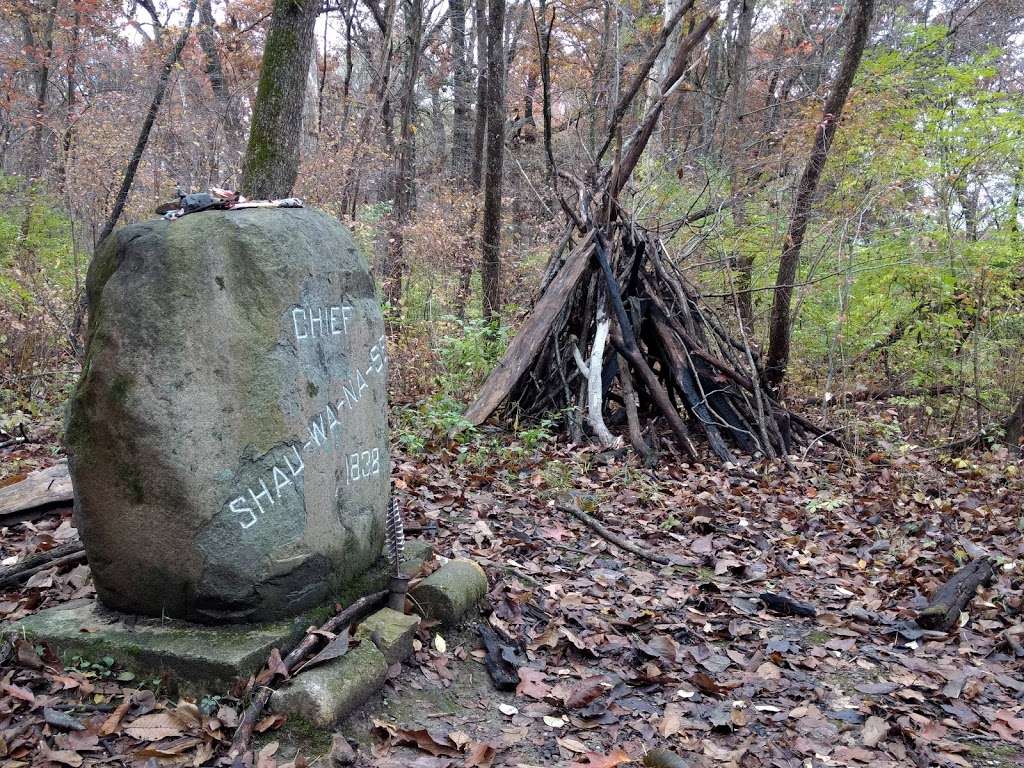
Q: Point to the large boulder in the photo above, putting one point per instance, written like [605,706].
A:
[228,437]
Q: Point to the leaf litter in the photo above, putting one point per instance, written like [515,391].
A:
[622,656]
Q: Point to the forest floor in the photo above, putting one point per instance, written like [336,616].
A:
[623,655]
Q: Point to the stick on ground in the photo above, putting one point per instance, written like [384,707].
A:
[68,554]
[620,541]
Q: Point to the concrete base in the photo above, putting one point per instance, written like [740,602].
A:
[195,659]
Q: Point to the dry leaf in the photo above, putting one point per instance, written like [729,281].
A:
[154,727]
[875,729]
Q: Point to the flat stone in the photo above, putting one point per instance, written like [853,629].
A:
[197,658]
[392,632]
[325,694]
[228,436]
[450,591]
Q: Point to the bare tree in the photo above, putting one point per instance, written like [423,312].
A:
[461,158]
[490,245]
[147,126]
[207,37]
[779,331]
[479,130]
[405,170]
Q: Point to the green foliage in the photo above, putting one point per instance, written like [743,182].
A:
[46,247]
[39,275]
[917,250]
[465,356]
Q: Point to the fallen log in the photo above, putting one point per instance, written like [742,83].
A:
[784,605]
[58,557]
[41,492]
[312,641]
[943,610]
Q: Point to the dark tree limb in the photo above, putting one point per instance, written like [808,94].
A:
[787,606]
[503,672]
[779,328]
[638,141]
[943,611]
[629,94]
[58,557]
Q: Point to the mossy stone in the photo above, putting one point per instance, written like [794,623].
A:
[450,591]
[392,632]
[325,694]
[228,437]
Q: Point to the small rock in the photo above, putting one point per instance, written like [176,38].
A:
[392,632]
[341,751]
[62,720]
[449,592]
[327,693]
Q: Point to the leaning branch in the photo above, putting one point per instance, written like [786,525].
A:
[147,125]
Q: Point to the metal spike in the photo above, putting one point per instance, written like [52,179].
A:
[395,535]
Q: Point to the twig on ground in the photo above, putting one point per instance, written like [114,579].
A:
[620,541]
[58,557]
[787,606]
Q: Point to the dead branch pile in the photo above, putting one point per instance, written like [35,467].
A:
[619,334]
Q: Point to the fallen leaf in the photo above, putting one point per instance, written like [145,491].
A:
[586,692]
[875,729]
[154,727]
[113,722]
[531,683]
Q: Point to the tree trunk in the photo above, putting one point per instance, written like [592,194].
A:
[405,172]
[744,262]
[69,112]
[461,152]
[779,332]
[481,94]
[42,92]
[1014,425]
[490,267]
[206,34]
[272,156]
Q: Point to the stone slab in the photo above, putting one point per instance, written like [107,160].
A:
[324,695]
[450,592]
[392,632]
[197,658]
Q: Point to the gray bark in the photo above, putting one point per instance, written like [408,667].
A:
[461,160]
[490,269]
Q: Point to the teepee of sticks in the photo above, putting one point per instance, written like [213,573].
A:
[657,350]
